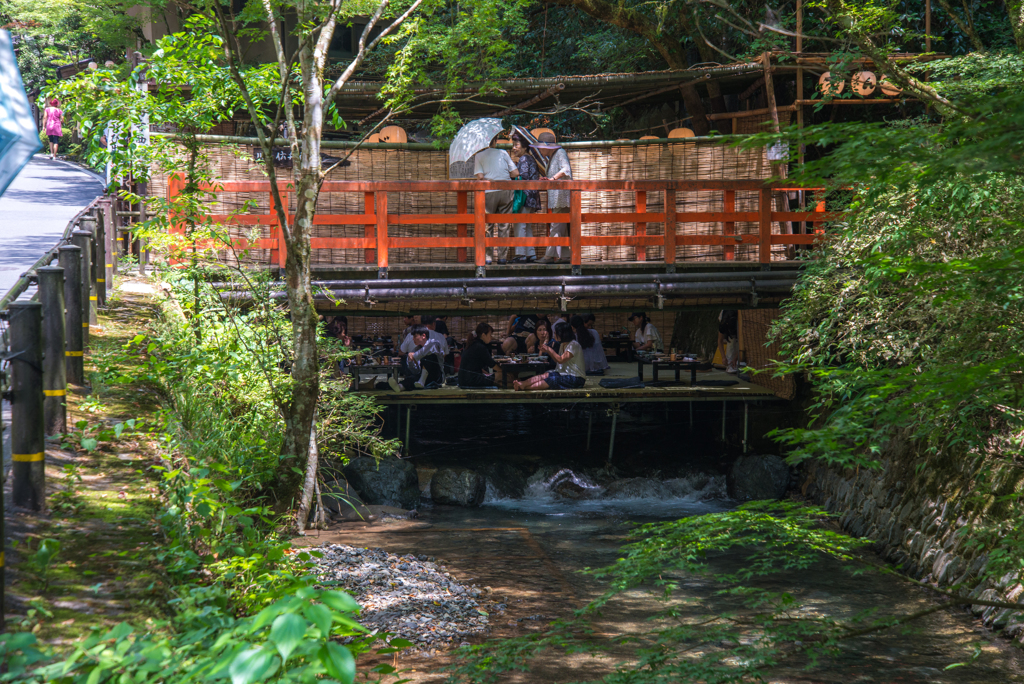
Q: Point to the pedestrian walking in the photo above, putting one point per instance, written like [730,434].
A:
[53,118]
[496,165]
[558,200]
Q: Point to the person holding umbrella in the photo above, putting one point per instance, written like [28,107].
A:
[496,165]
[531,164]
[558,200]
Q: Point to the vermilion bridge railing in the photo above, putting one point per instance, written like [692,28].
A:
[377,242]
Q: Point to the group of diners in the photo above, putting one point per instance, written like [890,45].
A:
[571,346]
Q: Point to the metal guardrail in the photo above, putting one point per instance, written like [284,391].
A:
[42,346]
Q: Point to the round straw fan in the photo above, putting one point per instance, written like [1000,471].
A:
[864,83]
[826,85]
[889,88]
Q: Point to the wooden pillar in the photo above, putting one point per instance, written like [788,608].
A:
[764,205]
[729,227]
[576,229]
[479,229]
[463,230]
[370,229]
[380,209]
[640,253]
[670,228]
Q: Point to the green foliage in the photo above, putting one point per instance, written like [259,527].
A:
[68,500]
[42,558]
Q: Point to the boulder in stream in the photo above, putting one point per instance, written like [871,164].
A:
[458,487]
[567,489]
[392,482]
[506,479]
[341,501]
[756,477]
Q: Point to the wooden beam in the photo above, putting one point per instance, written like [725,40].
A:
[752,112]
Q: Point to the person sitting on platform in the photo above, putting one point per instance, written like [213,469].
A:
[410,323]
[544,337]
[593,353]
[646,337]
[520,335]
[409,345]
[477,365]
[570,373]
[424,362]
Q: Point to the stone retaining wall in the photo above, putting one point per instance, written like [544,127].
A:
[926,537]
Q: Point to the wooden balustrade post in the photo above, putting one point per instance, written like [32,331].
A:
[480,231]
[576,230]
[670,230]
[370,230]
[729,227]
[462,204]
[380,205]
[764,204]
[640,251]
[280,255]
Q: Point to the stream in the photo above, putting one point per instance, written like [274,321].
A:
[529,550]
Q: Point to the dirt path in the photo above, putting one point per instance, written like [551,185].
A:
[102,507]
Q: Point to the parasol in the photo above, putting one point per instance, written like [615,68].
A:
[474,136]
[19,139]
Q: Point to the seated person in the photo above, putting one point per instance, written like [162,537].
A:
[477,366]
[593,353]
[520,335]
[646,337]
[409,345]
[424,363]
[570,372]
[544,339]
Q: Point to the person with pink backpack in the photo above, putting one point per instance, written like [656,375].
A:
[53,117]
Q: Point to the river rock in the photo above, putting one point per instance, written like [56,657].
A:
[755,477]
[392,482]
[505,478]
[458,487]
[342,502]
[567,489]
[637,488]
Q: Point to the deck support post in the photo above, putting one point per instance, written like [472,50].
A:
[723,420]
[746,419]
[691,414]
[614,411]
[590,426]
[408,421]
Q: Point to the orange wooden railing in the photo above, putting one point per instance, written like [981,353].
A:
[377,242]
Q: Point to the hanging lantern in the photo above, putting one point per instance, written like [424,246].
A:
[864,83]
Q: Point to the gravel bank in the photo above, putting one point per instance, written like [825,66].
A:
[409,596]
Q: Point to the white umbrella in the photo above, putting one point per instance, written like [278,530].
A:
[19,139]
[474,136]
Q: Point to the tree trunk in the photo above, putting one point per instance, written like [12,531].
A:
[966,25]
[1015,8]
[309,482]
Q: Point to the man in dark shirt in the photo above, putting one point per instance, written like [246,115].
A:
[520,334]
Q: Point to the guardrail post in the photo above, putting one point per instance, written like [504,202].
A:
[99,268]
[141,190]
[70,259]
[109,222]
[83,240]
[28,448]
[89,225]
[51,296]
[764,205]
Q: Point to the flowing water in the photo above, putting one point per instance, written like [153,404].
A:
[575,513]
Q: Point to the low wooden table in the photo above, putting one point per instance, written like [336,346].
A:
[517,368]
[623,346]
[667,365]
[372,369]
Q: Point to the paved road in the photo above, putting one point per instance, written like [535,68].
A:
[35,210]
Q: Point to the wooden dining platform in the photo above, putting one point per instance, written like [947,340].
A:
[715,389]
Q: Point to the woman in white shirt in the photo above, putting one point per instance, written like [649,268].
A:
[647,337]
[570,373]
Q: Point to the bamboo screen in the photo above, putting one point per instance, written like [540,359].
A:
[681,161]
